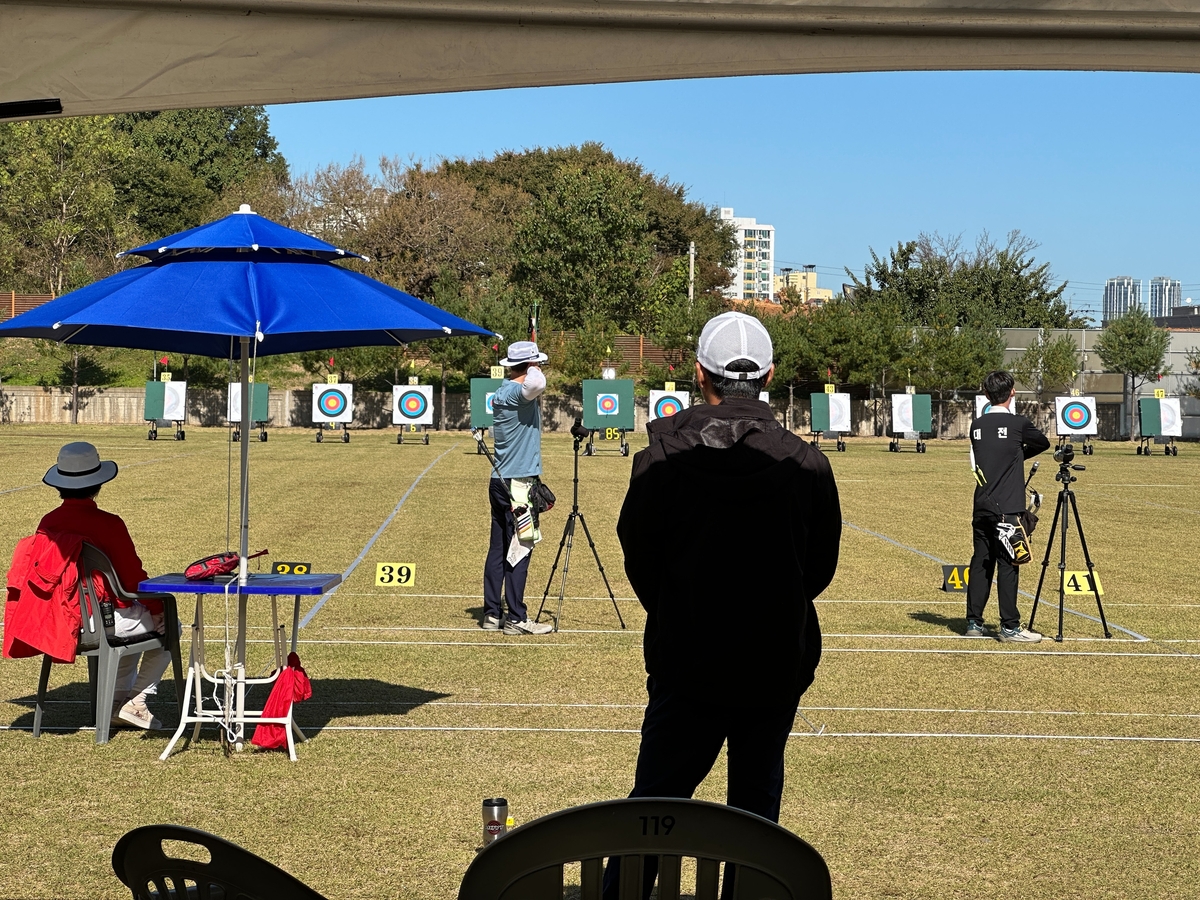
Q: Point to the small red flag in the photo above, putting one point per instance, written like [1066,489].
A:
[331,361]
[670,368]
[163,361]
[495,346]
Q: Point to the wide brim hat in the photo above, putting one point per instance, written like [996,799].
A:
[79,467]
[522,352]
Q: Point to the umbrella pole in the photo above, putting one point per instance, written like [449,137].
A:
[244,546]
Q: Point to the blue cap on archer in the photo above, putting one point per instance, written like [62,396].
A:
[522,352]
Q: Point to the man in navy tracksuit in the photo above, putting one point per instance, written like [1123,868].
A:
[1001,441]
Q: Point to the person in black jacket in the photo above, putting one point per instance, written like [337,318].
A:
[730,529]
[1001,441]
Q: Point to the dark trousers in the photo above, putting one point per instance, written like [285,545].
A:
[990,558]
[496,570]
[681,737]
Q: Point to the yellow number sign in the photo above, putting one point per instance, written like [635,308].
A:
[954,578]
[1080,583]
[291,568]
[831,388]
[331,379]
[164,376]
[668,385]
[1160,393]
[497,371]
[394,574]
[413,379]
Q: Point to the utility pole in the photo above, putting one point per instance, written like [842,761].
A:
[691,274]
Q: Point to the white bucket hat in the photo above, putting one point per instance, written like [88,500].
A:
[522,352]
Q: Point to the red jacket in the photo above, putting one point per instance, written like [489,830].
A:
[41,610]
[105,532]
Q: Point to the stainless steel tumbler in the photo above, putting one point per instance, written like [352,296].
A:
[495,815]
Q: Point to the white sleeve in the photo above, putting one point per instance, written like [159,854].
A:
[534,383]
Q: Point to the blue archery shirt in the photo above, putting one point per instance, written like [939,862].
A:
[517,431]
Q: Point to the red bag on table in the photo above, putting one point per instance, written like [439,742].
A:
[217,564]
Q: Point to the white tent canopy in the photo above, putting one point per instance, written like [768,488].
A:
[103,56]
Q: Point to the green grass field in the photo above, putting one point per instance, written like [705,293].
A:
[948,766]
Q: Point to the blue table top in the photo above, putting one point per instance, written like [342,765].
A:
[259,583]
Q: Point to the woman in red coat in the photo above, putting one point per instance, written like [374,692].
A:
[78,476]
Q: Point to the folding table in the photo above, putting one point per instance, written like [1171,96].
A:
[233,715]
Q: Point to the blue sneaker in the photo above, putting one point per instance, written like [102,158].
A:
[976,628]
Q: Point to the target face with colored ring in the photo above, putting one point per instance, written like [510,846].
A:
[666,403]
[412,405]
[607,404]
[487,401]
[1076,415]
[333,403]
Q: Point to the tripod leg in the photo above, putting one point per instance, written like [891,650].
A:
[1045,563]
[1062,562]
[553,569]
[569,537]
[1091,567]
[600,566]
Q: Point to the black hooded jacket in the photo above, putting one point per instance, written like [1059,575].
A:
[730,529]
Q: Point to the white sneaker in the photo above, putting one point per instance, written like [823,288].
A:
[1019,635]
[136,713]
[490,623]
[527,627]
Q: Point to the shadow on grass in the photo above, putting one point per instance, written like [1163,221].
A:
[68,708]
[956,624]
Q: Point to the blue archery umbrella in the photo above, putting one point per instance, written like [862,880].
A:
[204,289]
[238,287]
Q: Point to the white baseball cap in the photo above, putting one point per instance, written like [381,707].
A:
[731,336]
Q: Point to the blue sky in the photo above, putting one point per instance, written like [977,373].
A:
[1099,168]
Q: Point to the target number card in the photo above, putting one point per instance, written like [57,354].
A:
[1075,415]
[412,405]
[291,568]
[954,579]
[394,574]
[333,403]
[1081,583]
[667,403]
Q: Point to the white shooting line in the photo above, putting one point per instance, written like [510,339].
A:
[371,543]
[508,729]
[942,562]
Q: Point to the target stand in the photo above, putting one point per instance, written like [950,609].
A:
[1088,448]
[837,437]
[236,436]
[180,434]
[1146,445]
[333,427]
[259,412]
[895,447]
[1161,421]
[607,434]
[415,430]
[165,402]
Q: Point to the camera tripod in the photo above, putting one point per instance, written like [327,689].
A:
[1066,497]
[564,547]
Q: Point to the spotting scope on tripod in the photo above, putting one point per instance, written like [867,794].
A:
[1064,456]
[580,434]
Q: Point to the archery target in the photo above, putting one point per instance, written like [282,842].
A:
[487,402]
[412,404]
[839,414]
[175,401]
[667,403]
[902,413]
[983,405]
[608,405]
[333,403]
[1075,415]
[1170,416]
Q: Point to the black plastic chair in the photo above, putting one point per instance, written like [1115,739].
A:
[769,862]
[231,873]
[103,650]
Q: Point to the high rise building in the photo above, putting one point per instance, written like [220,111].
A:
[804,284]
[752,275]
[1121,294]
[1165,295]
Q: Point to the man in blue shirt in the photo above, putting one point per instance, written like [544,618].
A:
[517,431]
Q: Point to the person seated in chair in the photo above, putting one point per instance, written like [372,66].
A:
[78,476]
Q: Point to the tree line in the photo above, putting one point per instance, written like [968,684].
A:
[597,245]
